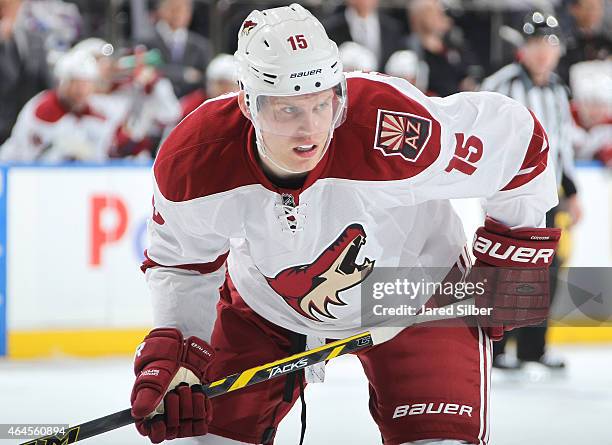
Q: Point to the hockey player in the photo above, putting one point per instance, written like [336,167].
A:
[134,97]
[406,65]
[60,124]
[356,57]
[220,79]
[295,187]
[592,105]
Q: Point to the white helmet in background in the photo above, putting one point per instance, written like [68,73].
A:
[406,64]
[591,81]
[76,65]
[591,84]
[95,46]
[356,57]
[286,52]
[403,63]
[221,75]
[222,67]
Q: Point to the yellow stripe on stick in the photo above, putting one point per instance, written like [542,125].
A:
[217,383]
[245,377]
[337,350]
[315,350]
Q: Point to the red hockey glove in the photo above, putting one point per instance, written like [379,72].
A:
[516,288]
[164,404]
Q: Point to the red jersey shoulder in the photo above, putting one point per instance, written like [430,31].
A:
[205,153]
[192,101]
[387,135]
[49,108]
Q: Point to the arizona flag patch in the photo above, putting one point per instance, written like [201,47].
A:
[401,134]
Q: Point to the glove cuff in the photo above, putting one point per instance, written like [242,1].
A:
[522,233]
[197,355]
[498,245]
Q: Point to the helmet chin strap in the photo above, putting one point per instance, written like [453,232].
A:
[261,149]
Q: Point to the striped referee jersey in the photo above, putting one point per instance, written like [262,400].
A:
[550,104]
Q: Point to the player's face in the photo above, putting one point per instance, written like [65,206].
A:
[107,69]
[76,92]
[295,129]
[593,112]
[219,87]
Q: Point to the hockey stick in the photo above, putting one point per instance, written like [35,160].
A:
[250,377]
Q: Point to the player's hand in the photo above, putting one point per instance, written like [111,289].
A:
[167,401]
[512,265]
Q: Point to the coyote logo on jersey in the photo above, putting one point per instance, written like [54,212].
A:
[401,134]
[311,288]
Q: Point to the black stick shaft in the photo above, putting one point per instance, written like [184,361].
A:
[233,382]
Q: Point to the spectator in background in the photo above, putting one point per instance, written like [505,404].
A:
[23,64]
[591,84]
[587,38]
[356,57]
[532,82]
[441,46]
[185,53]
[221,78]
[363,23]
[406,64]
[59,124]
[59,22]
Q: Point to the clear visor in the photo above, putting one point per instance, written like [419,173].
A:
[302,118]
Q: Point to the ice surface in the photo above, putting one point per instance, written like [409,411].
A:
[536,409]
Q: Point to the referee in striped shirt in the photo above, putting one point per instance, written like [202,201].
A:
[533,82]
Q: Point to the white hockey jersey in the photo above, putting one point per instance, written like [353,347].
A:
[47,131]
[379,197]
[140,110]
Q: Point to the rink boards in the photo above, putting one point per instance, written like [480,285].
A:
[71,242]
[74,242]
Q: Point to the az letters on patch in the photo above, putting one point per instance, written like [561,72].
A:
[401,134]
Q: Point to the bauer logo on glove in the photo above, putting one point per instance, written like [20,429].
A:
[513,264]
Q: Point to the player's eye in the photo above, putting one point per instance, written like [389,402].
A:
[323,106]
[289,110]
